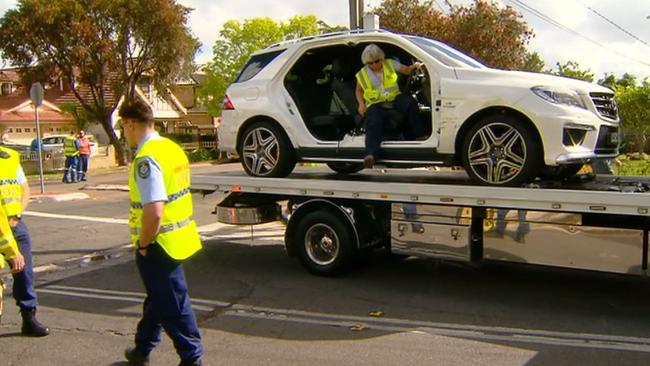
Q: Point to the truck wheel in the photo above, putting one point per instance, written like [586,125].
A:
[501,151]
[345,168]
[325,242]
[266,151]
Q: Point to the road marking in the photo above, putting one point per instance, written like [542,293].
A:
[106,220]
[62,197]
[476,332]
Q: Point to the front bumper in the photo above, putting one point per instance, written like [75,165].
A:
[571,135]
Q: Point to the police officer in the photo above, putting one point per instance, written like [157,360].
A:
[164,233]
[71,151]
[14,196]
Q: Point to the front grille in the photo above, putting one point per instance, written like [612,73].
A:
[608,140]
[605,105]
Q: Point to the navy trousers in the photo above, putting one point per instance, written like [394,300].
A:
[23,288]
[82,167]
[70,168]
[167,306]
[376,118]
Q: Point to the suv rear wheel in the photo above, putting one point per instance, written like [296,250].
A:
[265,151]
[500,150]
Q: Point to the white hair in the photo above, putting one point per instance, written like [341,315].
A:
[371,53]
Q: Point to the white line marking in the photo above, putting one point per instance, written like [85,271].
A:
[477,332]
[106,220]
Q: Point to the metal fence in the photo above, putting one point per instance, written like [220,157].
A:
[209,145]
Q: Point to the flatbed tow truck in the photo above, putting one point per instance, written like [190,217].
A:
[597,223]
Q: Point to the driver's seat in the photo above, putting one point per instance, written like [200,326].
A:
[344,87]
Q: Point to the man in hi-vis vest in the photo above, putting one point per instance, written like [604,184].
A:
[164,233]
[377,91]
[14,198]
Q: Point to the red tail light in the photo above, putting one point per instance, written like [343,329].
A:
[227,104]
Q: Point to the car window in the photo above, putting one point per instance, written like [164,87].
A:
[444,53]
[256,64]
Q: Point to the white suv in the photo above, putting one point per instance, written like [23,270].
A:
[295,101]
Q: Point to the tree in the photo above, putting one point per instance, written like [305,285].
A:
[100,48]
[614,83]
[634,106]
[492,34]
[238,41]
[571,69]
[533,62]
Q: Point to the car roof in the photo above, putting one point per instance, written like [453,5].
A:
[334,36]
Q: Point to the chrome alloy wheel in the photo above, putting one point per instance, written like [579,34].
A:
[322,244]
[261,151]
[497,153]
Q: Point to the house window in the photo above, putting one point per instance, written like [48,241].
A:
[28,130]
[19,130]
[5,88]
[50,129]
[58,129]
[10,130]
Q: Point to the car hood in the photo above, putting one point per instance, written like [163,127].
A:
[529,79]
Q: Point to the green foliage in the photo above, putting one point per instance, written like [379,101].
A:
[533,62]
[105,45]
[614,83]
[81,116]
[632,165]
[571,69]
[238,41]
[634,106]
[201,155]
[492,34]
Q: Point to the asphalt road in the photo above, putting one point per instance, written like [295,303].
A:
[256,306]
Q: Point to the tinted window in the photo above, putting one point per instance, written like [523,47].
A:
[256,64]
[445,54]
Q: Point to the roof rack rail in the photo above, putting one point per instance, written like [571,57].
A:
[327,34]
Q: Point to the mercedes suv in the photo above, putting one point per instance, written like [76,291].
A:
[295,101]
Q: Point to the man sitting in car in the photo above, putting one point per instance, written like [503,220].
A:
[377,92]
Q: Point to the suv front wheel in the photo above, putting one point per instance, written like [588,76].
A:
[265,151]
[500,150]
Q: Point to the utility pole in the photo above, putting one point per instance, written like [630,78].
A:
[356,14]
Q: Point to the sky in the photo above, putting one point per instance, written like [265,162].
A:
[600,45]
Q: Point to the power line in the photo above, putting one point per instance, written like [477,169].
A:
[557,24]
[615,25]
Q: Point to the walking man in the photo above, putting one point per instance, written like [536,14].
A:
[164,233]
[84,154]
[71,151]
[14,198]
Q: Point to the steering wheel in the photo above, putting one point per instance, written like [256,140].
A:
[416,79]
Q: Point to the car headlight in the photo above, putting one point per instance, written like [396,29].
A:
[559,96]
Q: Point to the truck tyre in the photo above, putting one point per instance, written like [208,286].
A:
[345,168]
[266,151]
[325,242]
[500,150]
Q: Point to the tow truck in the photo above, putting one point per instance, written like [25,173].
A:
[592,222]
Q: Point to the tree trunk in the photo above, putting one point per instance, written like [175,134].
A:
[120,151]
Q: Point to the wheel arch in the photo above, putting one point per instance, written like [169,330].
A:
[310,206]
[260,118]
[489,111]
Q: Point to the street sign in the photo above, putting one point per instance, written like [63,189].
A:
[36,94]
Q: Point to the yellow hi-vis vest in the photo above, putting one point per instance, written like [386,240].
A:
[69,147]
[11,192]
[8,246]
[177,235]
[389,85]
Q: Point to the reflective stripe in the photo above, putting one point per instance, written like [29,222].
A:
[391,88]
[4,242]
[363,80]
[166,228]
[9,182]
[170,198]
[6,201]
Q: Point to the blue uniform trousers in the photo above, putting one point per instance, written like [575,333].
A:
[167,306]
[376,118]
[23,289]
[70,168]
[82,167]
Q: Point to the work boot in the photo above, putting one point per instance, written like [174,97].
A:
[368,161]
[31,326]
[135,357]
[195,363]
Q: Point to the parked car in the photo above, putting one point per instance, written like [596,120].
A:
[54,143]
[294,101]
